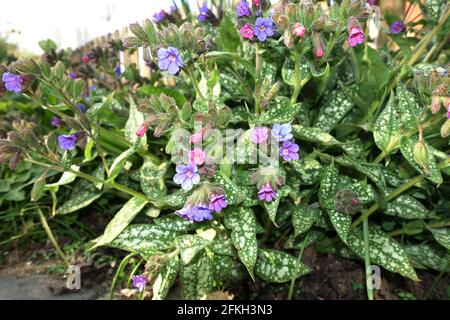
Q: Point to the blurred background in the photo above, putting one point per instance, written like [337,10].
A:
[70,23]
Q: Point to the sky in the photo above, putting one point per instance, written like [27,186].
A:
[70,23]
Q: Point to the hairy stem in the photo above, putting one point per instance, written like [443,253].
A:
[258,80]
[52,238]
[367,262]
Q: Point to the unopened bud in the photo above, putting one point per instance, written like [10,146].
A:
[318,46]
[138,31]
[445,129]
[298,30]
[288,41]
[291,11]
[130,42]
[283,22]
[318,24]
[420,155]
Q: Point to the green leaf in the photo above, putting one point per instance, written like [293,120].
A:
[407,148]
[366,193]
[314,135]
[288,73]
[332,112]
[135,119]
[407,207]
[176,199]
[229,38]
[47,45]
[233,193]
[303,218]
[341,223]
[442,236]
[386,129]
[310,170]
[248,66]
[408,107]
[165,279]
[120,221]
[152,179]
[197,279]
[280,110]
[66,178]
[83,194]
[243,235]
[190,246]
[384,251]
[277,267]
[143,238]
[426,256]
[328,187]
[119,163]
[272,206]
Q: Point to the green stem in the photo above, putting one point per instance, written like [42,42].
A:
[52,238]
[422,45]
[299,260]
[258,80]
[191,76]
[121,268]
[367,262]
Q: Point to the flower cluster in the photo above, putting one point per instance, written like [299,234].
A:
[260,28]
[203,203]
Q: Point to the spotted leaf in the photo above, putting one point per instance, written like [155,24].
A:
[165,279]
[407,207]
[332,112]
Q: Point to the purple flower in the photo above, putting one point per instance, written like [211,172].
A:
[67,142]
[217,202]
[199,213]
[205,13]
[266,193]
[73,75]
[159,16]
[448,113]
[91,88]
[187,176]
[247,31]
[81,107]
[183,213]
[282,132]
[57,122]
[263,29]
[170,60]
[289,151]
[260,135]
[12,82]
[397,27]
[243,9]
[117,71]
[139,282]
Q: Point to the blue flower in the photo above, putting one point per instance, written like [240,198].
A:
[205,13]
[397,27]
[67,142]
[243,9]
[12,82]
[187,176]
[282,132]
[81,107]
[289,151]
[117,71]
[170,60]
[159,16]
[199,213]
[263,29]
[139,282]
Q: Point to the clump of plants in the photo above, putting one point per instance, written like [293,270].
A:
[263,130]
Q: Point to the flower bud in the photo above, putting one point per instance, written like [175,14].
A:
[282,22]
[420,155]
[298,30]
[347,201]
[291,11]
[445,129]
[128,42]
[318,24]
[138,31]
[187,35]
[288,41]
[318,46]
[26,66]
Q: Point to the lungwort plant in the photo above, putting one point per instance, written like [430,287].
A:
[262,131]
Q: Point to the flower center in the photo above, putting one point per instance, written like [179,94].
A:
[172,57]
[262,28]
[285,152]
[189,174]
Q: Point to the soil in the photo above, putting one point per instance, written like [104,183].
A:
[332,278]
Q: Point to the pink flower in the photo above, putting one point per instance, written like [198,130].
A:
[355,36]
[298,29]
[319,52]
[197,156]
[256,3]
[247,31]
[85,59]
[196,137]
[142,130]
[260,135]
